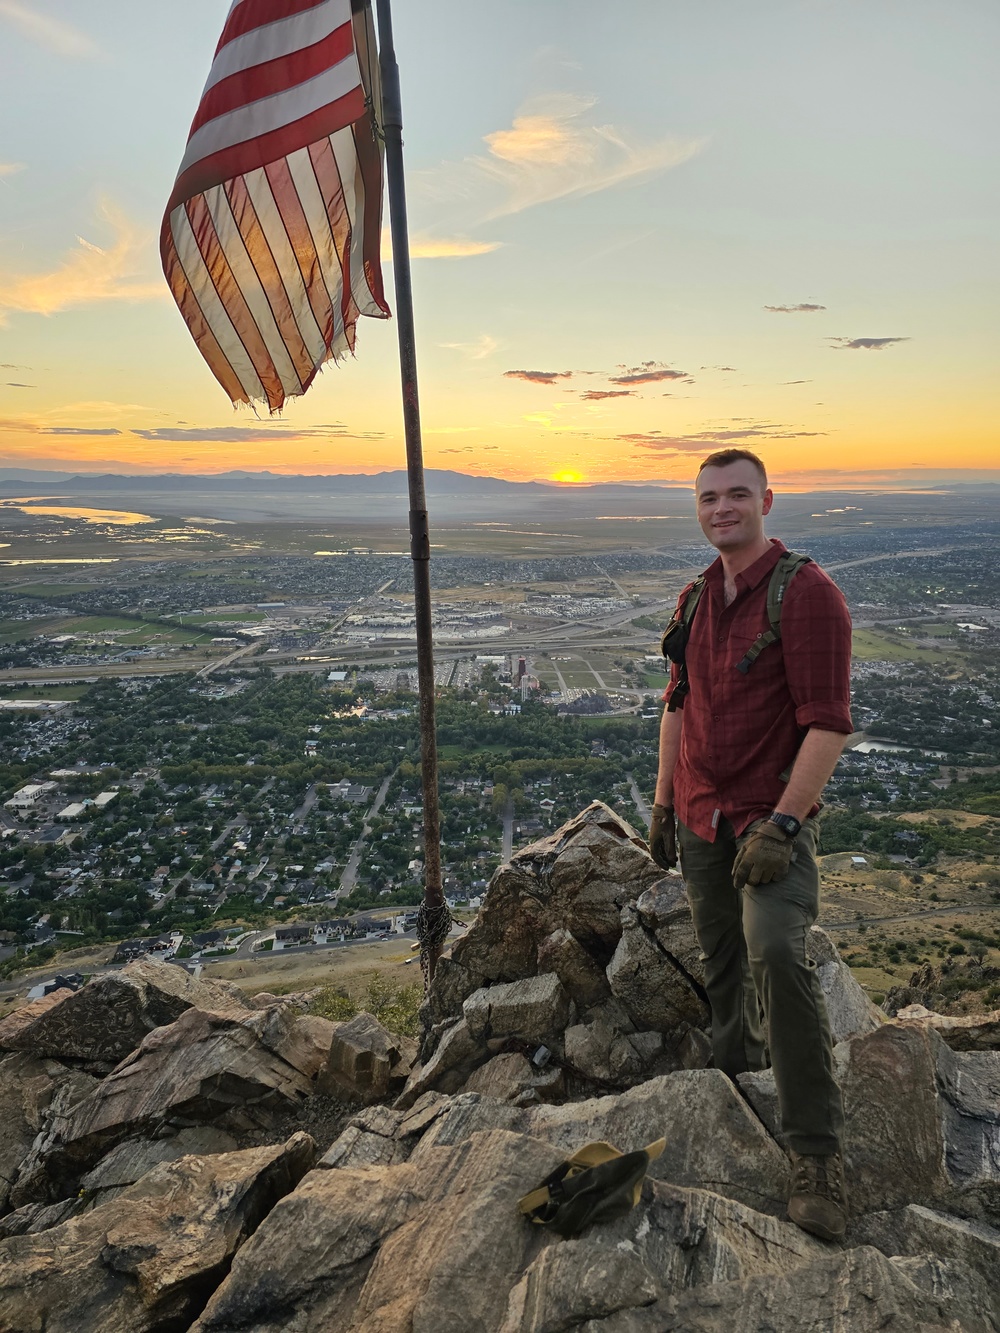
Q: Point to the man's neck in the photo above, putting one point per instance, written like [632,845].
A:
[735,562]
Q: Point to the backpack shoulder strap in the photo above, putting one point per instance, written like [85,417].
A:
[781,576]
[673,645]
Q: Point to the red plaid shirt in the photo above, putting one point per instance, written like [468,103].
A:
[742,732]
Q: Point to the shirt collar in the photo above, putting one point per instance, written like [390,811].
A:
[752,576]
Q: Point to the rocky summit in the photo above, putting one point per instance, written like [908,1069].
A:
[155,1176]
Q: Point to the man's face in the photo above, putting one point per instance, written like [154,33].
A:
[732,503]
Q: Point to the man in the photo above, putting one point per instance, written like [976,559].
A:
[745,752]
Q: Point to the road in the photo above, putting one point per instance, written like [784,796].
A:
[231,827]
[230,659]
[593,671]
[559,675]
[351,869]
[507,846]
[301,814]
[641,804]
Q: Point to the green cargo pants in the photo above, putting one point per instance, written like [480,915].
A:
[762,986]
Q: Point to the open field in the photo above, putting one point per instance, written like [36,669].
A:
[881,646]
[43,692]
[127,633]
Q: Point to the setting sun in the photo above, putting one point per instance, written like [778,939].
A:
[569,477]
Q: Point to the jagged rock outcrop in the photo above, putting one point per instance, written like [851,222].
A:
[586,948]
[235,1069]
[572,1012]
[145,1261]
[964,1032]
[30,1090]
[104,1021]
[922,1121]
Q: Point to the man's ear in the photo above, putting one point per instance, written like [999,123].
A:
[768,500]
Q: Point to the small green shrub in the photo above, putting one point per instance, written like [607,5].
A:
[396,1007]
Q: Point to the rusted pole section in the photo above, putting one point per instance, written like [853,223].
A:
[434,920]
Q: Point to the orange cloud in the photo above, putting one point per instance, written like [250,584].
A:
[88,275]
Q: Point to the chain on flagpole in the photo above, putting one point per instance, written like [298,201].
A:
[433,921]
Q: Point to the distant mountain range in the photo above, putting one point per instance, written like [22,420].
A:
[438,482]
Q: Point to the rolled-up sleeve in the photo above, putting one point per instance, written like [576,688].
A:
[816,639]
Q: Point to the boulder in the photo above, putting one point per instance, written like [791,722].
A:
[26,1016]
[127,1266]
[380,1136]
[505,1077]
[714,1141]
[456,1055]
[665,911]
[203,1068]
[534,1009]
[855,1291]
[105,1021]
[651,987]
[365,1063]
[966,1032]
[130,1161]
[29,1090]
[582,979]
[848,1008]
[922,1121]
[914,1231]
[435,1246]
[588,1050]
[577,879]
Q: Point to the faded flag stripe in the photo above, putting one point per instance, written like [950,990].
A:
[220,327]
[271,237]
[286,261]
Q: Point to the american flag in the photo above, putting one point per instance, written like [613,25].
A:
[270,241]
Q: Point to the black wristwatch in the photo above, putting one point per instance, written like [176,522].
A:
[788,824]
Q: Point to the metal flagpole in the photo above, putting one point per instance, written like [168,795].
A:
[434,920]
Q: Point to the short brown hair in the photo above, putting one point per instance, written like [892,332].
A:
[723,457]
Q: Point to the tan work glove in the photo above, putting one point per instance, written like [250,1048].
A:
[663,837]
[765,856]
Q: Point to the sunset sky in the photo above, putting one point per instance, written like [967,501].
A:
[641,231]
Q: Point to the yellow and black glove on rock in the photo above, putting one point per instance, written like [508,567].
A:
[663,837]
[765,856]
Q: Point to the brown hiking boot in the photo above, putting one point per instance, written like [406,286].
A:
[818,1199]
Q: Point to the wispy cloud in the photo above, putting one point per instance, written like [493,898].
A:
[552,150]
[598,395]
[650,372]
[439,247]
[538,376]
[250,434]
[479,350]
[864,344]
[89,274]
[803,308]
[56,36]
[10,168]
[714,439]
[16,384]
[79,430]
[472,449]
